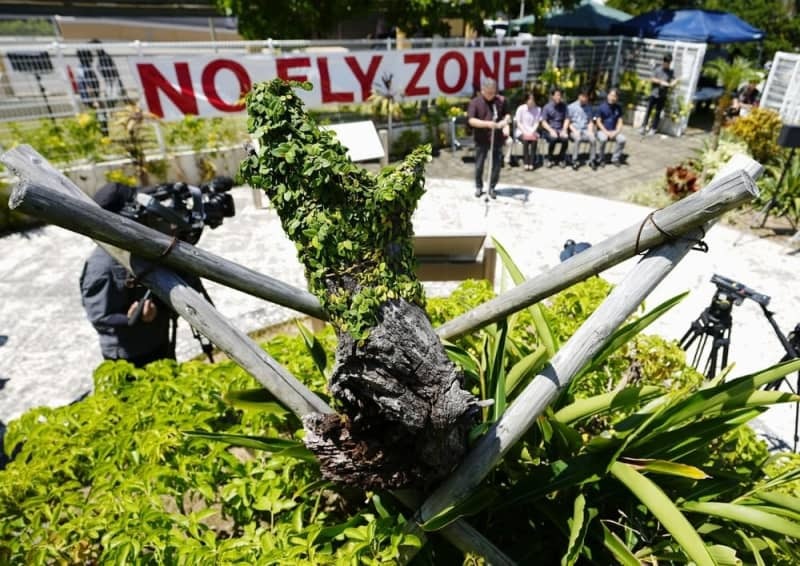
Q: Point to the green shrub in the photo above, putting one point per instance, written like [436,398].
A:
[759,130]
[64,142]
[407,141]
[571,307]
[467,295]
[203,133]
[114,479]
[782,463]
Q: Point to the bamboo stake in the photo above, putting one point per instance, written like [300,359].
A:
[58,201]
[723,194]
[203,316]
[579,349]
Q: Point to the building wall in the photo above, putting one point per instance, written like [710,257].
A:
[84,29]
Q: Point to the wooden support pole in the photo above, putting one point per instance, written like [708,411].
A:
[525,409]
[723,194]
[204,317]
[58,201]
[579,349]
[104,226]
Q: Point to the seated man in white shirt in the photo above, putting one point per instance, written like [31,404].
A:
[581,127]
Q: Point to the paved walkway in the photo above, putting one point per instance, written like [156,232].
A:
[647,160]
[51,350]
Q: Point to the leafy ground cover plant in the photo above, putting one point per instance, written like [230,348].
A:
[682,180]
[114,479]
[135,473]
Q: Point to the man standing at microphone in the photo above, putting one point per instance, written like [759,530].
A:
[489,119]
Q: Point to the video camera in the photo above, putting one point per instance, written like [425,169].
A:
[737,292]
[182,209]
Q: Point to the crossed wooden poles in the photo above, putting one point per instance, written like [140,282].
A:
[668,234]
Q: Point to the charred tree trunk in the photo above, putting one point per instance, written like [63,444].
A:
[403,416]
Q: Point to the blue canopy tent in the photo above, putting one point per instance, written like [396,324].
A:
[588,18]
[707,26]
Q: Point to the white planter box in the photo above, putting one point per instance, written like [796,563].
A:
[672,128]
[183,166]
[634,117]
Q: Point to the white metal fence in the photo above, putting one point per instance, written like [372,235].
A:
[782,91]
[41,80]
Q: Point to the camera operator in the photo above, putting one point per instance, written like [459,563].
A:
[131,324]
[111,297]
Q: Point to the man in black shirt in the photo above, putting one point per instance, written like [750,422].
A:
[609,127]
[489,120]
[663,79]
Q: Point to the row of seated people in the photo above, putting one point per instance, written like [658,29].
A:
[558,123]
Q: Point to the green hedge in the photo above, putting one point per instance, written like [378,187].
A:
[116,479]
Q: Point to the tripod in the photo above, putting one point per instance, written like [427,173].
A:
[792,347]
[714,324]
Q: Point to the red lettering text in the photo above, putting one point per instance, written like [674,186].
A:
[364,79]
[286,65]
[462,72]
[152,81]
[422,60]
[482,68]
[208,80]
[510,67]
[325,84]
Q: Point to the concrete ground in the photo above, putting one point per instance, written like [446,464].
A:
[647,157]
[50,349]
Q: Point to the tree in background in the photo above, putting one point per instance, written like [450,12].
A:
[774,17]
[299,19]
[636,7]
[424,17]
[260,19]
[475,11]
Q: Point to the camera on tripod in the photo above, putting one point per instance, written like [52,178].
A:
[737,292]
[714,323]
[713,327]
[182,209]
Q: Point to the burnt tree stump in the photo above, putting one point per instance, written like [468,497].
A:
[403,417]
